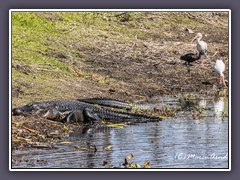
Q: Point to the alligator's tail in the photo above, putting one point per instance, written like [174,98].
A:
[118,116]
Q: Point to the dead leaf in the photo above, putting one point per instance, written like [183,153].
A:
[146,164]
[109,148]
[137,166]
[129,156]
[30,130]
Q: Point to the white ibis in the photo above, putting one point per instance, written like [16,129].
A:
[219,67]
[201,45]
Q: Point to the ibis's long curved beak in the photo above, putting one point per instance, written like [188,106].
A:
[194,38]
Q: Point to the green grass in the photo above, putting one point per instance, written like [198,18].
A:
[38,37]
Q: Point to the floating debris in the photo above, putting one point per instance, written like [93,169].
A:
[108,148]
[89,148]
[65,142]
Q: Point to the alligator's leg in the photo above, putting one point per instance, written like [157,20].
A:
[90,116]
[107,102]
[75,116]
[92,119]
[87,116]
[55,115]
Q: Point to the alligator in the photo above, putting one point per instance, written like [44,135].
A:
[76,111]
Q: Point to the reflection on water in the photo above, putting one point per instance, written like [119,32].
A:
[219,109]
[174,143]
[202,103]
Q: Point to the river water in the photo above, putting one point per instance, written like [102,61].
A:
[180,142]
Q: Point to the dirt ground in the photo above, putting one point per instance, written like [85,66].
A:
[133,71]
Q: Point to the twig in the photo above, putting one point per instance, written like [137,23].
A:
[215,54]
[120,14]
[51,70]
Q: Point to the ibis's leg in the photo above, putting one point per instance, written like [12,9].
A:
[223,81]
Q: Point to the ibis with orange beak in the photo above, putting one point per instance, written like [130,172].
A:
[201,45]
[219,67]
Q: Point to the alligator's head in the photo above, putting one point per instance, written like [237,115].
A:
[34,107]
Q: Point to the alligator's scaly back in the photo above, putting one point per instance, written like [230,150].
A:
[108,102]
[114,103]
